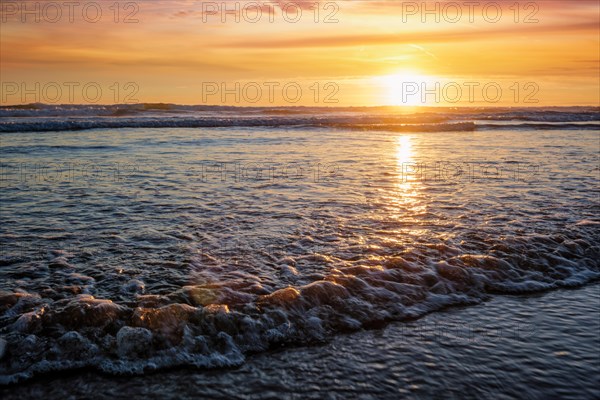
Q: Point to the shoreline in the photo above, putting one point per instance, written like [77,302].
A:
[526,346]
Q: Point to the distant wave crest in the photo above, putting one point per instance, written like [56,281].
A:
[42,118]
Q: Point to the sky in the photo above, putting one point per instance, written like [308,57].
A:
[331,53]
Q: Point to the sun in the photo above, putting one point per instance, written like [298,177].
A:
[405,88]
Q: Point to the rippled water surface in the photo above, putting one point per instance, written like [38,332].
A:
[129,250]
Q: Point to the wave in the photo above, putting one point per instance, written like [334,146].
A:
[211,122]
[43,118]
[306,123]
[73,110]
[540,126]
[217,324]
[548,114]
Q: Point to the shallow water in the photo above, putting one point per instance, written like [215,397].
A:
[526,347]
[131,250]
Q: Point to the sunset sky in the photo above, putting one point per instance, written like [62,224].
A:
[550,51]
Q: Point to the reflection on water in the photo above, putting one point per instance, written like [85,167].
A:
[404,150]
[404,200]
[409,186]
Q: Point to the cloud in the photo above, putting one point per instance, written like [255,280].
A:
[441,36]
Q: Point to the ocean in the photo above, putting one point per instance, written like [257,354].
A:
[197,244]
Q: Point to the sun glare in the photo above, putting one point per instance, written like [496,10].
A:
[405,88]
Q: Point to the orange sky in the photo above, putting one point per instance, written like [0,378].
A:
[378,52]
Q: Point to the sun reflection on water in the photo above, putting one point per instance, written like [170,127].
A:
[408,185]
[404,150]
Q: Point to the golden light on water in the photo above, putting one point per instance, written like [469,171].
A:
[408,185]
[404,151]
[405,162]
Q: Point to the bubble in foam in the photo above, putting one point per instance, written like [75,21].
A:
[76,346]
[133,341]
[134,286]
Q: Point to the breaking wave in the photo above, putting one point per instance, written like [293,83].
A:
[41,118]
[215,325]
